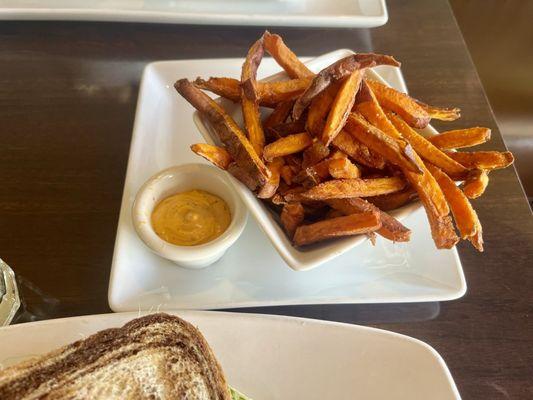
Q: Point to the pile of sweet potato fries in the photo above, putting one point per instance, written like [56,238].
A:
[339,150]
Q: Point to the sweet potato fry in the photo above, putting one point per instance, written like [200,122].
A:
[332,213]
[269,94]
[228,88]
[294,161]
[321,169]
[357,150]
[475,183]
[278,200]
[426,149]
[341,107]
[392,201]
[271,186]
[283,188]
[336,72]
[395,151]
[252,122]
[285,57]
[314,154]
[215,154]
[308,178]
[477,240]
[287,128]
[368,106]
[342,226]
[294,194]
[295,168]
[321,81]
[345,188]
[315,210]
[442,231]
[287,145]
[249,97]
[391,228]
[314,174]
[342,168]
[401,104]
[227,130]
[429,192]
[338,154]
[435,205]
[465,217]
[243,175]
[482,159]
[287,174]
[440,113]
[460,138]
[277,91]
[279,115]
[319,108]
[292,216]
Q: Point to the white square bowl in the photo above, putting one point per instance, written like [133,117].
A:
[299,259]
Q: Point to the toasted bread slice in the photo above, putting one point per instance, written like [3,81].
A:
[158,357]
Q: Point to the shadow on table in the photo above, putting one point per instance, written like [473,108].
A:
[355,313]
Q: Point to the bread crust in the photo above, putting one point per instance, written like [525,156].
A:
[68,365]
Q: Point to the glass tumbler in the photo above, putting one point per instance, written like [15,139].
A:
[9,295]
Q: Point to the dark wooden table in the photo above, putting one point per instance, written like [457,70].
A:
[67,102]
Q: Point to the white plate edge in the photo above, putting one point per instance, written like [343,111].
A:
[251,316]
[120,15]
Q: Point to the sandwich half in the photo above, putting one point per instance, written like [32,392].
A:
[158,356]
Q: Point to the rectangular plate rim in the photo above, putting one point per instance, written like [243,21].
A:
[118,304]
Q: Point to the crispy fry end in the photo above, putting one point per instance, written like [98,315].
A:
[460,138]
[465,217]
[476,183]
[215,154]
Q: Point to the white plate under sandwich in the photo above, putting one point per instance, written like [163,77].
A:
[271,357]
[252,273]
[306,257]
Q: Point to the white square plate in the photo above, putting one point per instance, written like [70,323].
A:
[252,273]
[299,259]
[270,357]
[324,13]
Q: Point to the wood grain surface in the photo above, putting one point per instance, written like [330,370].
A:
[67,101]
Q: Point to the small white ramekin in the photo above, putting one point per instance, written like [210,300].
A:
[180,179]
